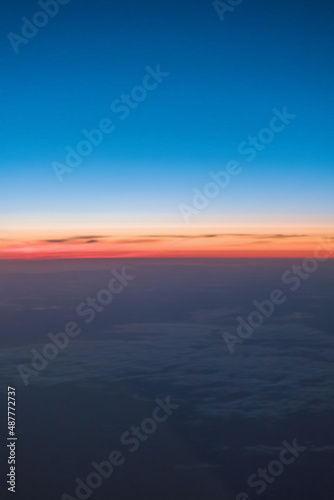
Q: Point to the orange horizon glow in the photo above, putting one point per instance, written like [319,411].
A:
[214,244]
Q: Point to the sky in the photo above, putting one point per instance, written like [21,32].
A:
[196,90]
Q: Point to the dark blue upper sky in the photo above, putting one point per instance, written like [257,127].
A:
[225,79]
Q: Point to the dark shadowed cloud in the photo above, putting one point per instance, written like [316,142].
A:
[91,239]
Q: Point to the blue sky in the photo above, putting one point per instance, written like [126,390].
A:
[225,79]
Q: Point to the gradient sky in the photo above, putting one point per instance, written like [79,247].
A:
[225,78]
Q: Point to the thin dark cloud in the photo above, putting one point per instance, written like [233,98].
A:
[279,236]
[266,236]
[86,237]
[144,240]
[224,235]
[90,239]
[161,237]
[56,241]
